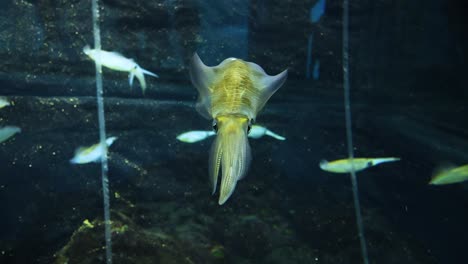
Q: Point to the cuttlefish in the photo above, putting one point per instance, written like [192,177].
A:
[231,94]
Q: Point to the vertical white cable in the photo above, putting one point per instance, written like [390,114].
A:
[102,132]
[349,135]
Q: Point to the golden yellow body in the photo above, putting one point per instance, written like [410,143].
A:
[231,94]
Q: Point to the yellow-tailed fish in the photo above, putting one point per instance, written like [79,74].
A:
[4,102]
[231,93]
[344,165]
[91,154]
[116,61]
[7,132]
[259,131]
[450,175]
[195,136]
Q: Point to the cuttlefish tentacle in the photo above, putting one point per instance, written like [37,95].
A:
[231,151]
[231,94]
[214,162]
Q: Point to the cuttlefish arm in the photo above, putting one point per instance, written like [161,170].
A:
[231,93]
[231,151]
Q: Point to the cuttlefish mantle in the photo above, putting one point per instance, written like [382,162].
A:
[231,94]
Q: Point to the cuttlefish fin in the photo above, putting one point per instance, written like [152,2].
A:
[203,77]
[267,84]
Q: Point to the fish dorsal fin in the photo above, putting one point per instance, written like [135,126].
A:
[267,84]
[202,77]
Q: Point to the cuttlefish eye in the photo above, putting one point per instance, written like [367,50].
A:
[215,126]
[249,126]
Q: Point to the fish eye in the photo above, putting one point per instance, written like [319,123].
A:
[215,126]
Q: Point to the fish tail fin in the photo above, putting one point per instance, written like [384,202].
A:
[274,135]
[149,73]
[110,140]
[383,160]
[131,76]
[138,72]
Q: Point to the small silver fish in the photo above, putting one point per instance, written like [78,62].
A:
[7,132]
[258,131]
[345,165]
[116,61]
[91,154]
[4,102]
[195,136]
